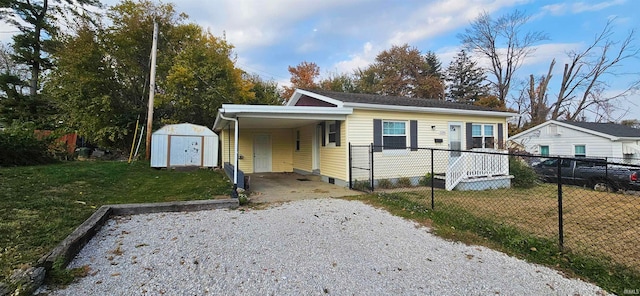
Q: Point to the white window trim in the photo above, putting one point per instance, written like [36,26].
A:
[574,150]
[327,143]
[393,152]
[482,126]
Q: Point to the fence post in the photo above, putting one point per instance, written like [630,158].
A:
[371,165]
[350,168]
[432,180]
[560,222]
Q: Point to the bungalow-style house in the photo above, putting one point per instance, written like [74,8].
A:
[616,142]
[311,134]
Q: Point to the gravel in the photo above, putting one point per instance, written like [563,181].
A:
[310,247]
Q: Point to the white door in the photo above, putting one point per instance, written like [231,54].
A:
[261,153]
[317,139]
[455,139]
[185,151]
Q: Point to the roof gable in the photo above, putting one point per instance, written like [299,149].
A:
[612,131]
[306,100]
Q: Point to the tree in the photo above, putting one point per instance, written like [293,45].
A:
[435,66]
[339,82]
[38,22]
[302,76]
[265,92]
[504,43]
[401,71]
[467,81]
[584,77]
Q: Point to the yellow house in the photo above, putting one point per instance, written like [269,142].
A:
[312,133]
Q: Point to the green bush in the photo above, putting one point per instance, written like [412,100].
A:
[385,184]
[19,146]
[404,182]
[523,175]
[426,180]
[361,185]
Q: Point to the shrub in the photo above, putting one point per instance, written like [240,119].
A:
[523,175]
[385,184]
[362,185]
[19,146]
[404,182]
[426,180]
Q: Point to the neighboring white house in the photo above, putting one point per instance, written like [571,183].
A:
[618,143]
[184,144]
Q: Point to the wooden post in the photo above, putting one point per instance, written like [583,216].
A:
[152,90]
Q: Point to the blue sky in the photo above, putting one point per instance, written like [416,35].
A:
[342,35]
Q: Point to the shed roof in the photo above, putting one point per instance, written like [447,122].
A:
[185,129]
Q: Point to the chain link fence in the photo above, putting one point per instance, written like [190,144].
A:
[589,207]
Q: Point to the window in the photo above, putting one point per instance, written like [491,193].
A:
[580,150]
[482,135]
[544,150]
[331,133]
[394,135]
[297,140]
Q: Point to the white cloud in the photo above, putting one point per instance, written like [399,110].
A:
[579,7]
[357,60]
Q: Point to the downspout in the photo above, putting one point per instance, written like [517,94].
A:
[234,193]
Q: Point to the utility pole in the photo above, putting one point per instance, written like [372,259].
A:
[152,90]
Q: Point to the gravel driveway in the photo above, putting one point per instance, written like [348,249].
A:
[307,247]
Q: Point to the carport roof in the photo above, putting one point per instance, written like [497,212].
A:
[265,116]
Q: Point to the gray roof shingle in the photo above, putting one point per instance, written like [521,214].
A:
[396,100]
[614,129]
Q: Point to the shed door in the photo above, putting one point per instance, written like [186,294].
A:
[262,153]
[185,151]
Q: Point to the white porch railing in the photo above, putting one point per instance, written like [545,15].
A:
[476,165]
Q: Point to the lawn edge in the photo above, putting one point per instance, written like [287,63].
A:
[25,282]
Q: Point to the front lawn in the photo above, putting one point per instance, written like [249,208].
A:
[41,205]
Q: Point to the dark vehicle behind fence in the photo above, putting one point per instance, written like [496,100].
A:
[593,173]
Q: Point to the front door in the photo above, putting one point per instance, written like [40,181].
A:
[455,139]
[262,153]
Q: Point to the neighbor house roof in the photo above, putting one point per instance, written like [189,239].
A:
[612,131]
[609,128]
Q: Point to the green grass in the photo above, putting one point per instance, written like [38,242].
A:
[41,205]
[456,223]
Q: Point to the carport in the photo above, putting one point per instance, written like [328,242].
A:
[280,187]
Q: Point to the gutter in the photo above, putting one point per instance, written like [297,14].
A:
[234,193]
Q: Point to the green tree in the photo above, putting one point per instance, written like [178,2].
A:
[38,23]
[202,77]
[339,82]
[401,71]
[467,81]
[266,92]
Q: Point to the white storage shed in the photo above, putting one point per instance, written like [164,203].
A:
[184,144]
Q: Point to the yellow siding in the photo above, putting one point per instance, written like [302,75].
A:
[303,159]
[226,146]
[333,160]
[281,148]
[396,164]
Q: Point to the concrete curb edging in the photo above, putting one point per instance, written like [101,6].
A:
[25,282]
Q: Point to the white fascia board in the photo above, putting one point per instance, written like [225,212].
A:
[430,110]
[270,109]
[299,93]
[295,116]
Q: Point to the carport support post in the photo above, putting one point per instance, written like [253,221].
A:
[350,168]
[234,192]
[432,177]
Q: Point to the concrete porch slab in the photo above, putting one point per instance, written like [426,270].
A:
[279,187]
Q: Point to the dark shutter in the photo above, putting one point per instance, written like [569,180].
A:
[469,135]
[324,133]
[500,136]
[413,130]
[377,135]
[337,133]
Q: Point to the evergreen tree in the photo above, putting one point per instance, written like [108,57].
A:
[467,81]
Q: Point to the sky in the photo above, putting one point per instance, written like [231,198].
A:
[343,35]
